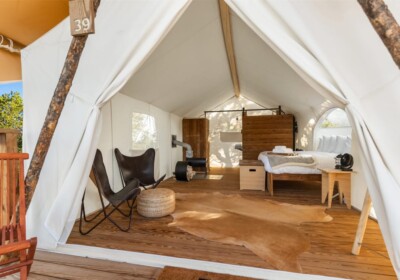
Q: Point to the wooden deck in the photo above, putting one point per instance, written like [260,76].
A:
[331,243]
[48,266]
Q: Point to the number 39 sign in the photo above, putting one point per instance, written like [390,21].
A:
[81,14]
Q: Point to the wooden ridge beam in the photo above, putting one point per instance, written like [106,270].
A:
[227,31]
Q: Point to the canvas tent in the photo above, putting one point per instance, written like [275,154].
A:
[312,55]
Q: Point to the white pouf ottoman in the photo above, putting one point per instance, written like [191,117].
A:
[155,203]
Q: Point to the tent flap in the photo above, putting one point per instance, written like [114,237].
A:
[332,58]
[110,58]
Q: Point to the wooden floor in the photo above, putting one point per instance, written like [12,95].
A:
[331,243]
[48,266]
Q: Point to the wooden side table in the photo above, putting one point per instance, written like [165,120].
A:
[343,178]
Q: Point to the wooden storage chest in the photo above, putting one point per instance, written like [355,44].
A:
[252,175]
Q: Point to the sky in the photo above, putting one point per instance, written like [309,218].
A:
[7,87]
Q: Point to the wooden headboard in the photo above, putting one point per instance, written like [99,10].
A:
[263,133]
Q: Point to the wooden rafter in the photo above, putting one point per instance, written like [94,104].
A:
[384,24]
[227,31]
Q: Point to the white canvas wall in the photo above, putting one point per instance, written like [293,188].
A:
[304,136]
[117,133]
[122,108]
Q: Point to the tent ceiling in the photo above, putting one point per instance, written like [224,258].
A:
[189,73]
[265,77]
[189,69]
[24,21]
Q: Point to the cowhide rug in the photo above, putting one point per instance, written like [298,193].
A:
[269,229]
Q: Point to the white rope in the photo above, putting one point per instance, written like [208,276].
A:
[10,46]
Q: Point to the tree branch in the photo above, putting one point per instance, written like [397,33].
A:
[384,24]
[53,113]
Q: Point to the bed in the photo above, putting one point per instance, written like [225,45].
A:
[324,157]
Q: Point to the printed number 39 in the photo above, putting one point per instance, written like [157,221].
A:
[82,24]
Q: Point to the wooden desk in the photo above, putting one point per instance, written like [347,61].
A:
[343,178]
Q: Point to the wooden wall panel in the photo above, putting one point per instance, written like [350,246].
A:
[195,133]
[263,133]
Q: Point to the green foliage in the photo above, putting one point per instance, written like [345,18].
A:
[11,110]
[327,123]
[11,113]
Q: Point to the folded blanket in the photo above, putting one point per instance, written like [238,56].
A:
[277,161]
[282,149]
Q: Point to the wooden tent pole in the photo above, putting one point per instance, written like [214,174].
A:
[53,113]
[226,24]
[362,224]
[384,24]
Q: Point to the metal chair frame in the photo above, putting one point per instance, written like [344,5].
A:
[104,189]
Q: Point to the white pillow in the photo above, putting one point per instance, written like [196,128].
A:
[340,145]
[347,146]
[323,144]
[331,144]
[320,143]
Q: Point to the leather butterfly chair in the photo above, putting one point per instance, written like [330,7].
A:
[126,194]
[139,167]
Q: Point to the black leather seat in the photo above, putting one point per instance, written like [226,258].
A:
[139,167]
[126,194]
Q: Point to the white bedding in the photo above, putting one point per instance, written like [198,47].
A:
[322,160]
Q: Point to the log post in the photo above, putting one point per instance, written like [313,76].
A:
[54,112]
[384,24]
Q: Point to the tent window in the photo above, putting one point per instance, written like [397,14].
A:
[331,130]
[144,132]
[335,119]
